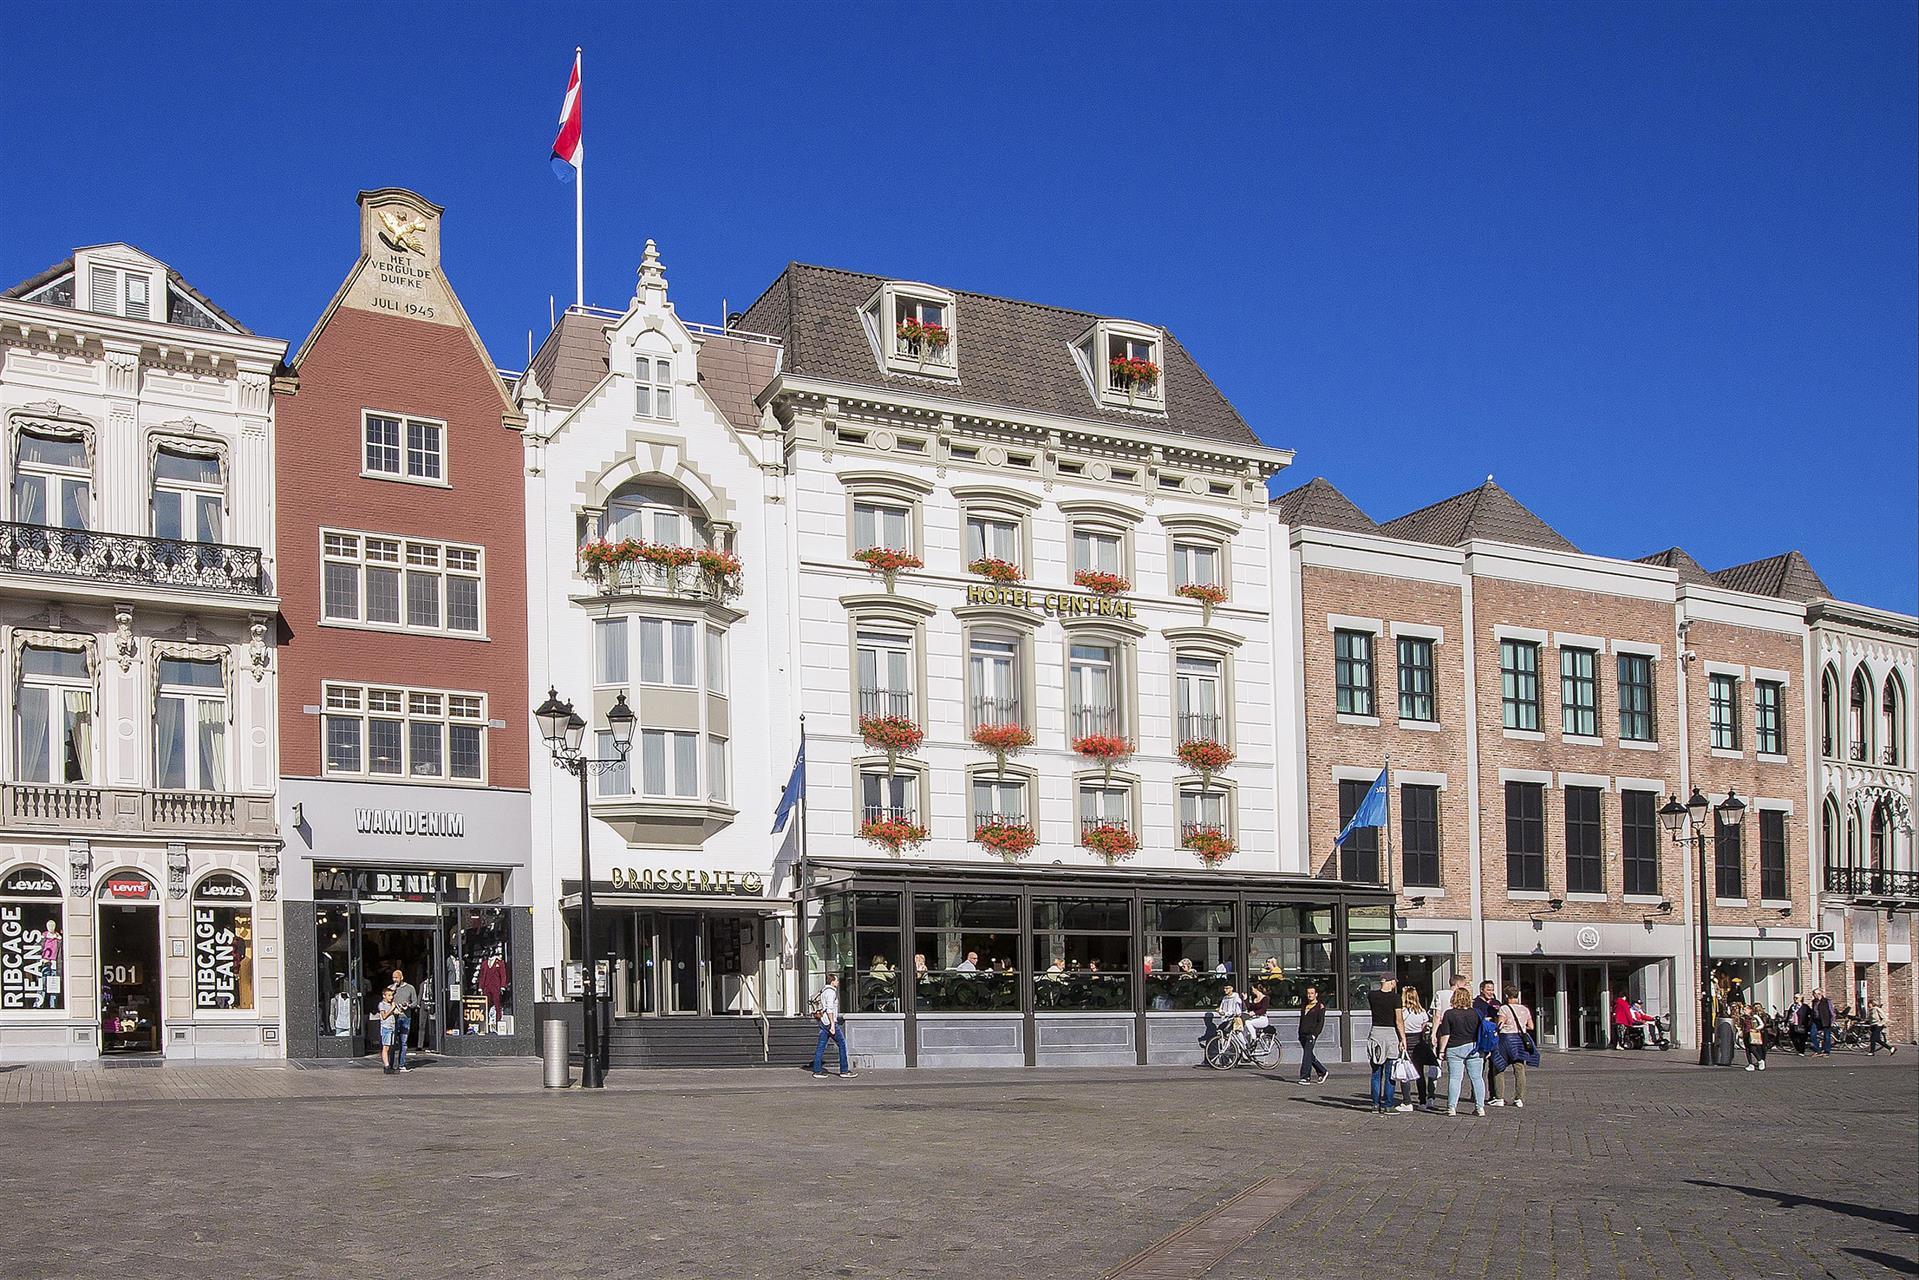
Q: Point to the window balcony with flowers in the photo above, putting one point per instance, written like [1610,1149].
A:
[1004,740]
[893,829]
[888,563]
[1101,583]
[1110,838]
[618,565]
[1206,755]
[1011,838]
[1210,841]
[1004,572]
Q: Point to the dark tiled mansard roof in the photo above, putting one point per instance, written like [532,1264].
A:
[1012,355]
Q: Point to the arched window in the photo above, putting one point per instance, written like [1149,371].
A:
[1892,723]
[1829,831]
[656,511]
[1859,722]
[1881,839]
[1829,714]
[1852,838]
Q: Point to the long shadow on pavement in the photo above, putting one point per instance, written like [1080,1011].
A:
[1846,1208]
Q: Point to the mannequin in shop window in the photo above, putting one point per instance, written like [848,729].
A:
[493,986]
[50,942]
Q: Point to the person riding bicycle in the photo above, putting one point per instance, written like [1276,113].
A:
[1232,1010]
[1256,1021]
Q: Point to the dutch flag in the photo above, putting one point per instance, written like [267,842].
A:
[567,147]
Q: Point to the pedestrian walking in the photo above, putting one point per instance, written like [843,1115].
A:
[1876,1030]
[405,1000]
[1752,1032]
[1518,1049]
[1419,1045]
[1387,1042]
[826,1008]
[1798,1019]
[1621,1022]
[1312,1021]
[1823,1018]
[1457,1043]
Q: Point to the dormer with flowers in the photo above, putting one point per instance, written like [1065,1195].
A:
[1125,365]
[913,329]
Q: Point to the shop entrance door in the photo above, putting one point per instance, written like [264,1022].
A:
[130,997]
[680,975]
[342,991]
[413,949]
[1539,991]
[1587,1013]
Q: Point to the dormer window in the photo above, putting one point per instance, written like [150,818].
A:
[1124,363]
[912,328]
[119,291]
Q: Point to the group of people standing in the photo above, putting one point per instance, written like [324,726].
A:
[1482,1041]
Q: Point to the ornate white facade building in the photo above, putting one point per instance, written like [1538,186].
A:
[138,834]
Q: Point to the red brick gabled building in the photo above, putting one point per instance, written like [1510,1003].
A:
[403,706]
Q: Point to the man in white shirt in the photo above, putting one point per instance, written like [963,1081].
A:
[826,1007]
[968,965]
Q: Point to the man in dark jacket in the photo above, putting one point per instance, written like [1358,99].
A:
[1312,1022]
[1798,1015]
[1486,1003]
[1823,1018]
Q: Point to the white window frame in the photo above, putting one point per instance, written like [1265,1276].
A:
[403,468]
[906,782]
[358,704]
[612,637]
[1096,535]
[1115,667]
[49,752]
[666,628]
[1094,353]
[189,494]
[122,282]
[717,772]
[653,386]
[1187,551]
[676,786]
[715,646]
[192,699]
[55,480]
[889,306]
[634,512]
[1195,803]
[890,648]
[990,526]
[417,558]
[1188,683]
[883,509]
[998,789]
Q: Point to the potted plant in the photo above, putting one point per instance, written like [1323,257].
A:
[722,570]
[1003,740]
[1212,844]
[1130,373]
[895,735]
[602,557]
[1001,571]
[921,338]
[1101,583]
[1104,749]
[887,562]
[1110,840]
[1205,757]
[1010,838]
[893,834]
[1208,596]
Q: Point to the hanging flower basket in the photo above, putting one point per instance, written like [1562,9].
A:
[722,570]
[887,562]
[1101,584]
[1104,749]
[1004,571]
[920,338]
[1009,839]
[1207,594]
[602,557]
[1003,740]
[1205,757]
[1109,840]
[1211,844]
[1129,374]
[893,834]
[895,735]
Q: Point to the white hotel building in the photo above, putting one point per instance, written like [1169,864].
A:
[139,848]
[959,520]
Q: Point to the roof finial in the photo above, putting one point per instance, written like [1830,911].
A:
[652,275]
[1489,475]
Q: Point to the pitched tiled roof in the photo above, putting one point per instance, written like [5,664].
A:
[572,360]
[41,279]
[1788,576]
[735,370]
[1690,570]
[1318,505]
[1014,355]
[1488,513]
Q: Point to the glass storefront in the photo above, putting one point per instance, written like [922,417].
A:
[449,933]
[32,941]
[687,962]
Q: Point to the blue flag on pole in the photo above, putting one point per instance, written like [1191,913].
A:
[1371,811]
[794,792]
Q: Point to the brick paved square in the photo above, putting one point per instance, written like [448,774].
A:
[1620,1166]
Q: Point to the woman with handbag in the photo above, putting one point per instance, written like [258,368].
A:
[1517,1046]
[1419,1060]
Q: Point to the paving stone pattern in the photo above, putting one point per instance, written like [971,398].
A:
[1620,1166]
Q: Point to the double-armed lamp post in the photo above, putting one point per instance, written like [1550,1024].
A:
[565,734]
[1691,817]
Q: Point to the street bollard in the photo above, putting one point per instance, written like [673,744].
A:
[555,1054]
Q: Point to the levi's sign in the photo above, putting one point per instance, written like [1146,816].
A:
[1054,604]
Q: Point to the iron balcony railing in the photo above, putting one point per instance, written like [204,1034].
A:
[1872,882]
[890,813]
[886,702]
[1202,726]
[995,709]
[1187,830]
[1087,824]
[1088,721]
[129,558]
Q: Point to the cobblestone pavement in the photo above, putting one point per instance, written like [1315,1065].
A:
[1620,1166]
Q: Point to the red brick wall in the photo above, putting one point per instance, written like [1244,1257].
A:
[366,361]
[1751,777]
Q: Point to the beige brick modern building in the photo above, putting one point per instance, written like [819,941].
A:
[1538,706]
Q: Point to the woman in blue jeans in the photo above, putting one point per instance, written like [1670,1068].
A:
[1457,1044]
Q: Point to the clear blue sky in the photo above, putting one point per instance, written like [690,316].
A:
[1651,265]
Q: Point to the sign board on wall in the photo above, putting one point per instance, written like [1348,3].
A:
[400,238]
[1821,943]
[682,880]
[1053,604]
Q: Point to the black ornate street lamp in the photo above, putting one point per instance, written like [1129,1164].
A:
[1691,816]
[565,734]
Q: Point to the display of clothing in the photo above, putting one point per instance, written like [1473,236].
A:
[492,980]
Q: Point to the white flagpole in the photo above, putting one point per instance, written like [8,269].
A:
[579,192]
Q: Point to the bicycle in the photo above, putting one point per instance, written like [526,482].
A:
[1234,1046]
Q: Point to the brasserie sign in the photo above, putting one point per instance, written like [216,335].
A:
[1053,604]
[681,880]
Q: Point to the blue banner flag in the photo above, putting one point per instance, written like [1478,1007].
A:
[1371,811]
[795,790]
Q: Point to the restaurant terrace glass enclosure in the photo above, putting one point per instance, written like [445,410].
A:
[950,966]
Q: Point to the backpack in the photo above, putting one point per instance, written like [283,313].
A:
[816,1009]
[1488,1036]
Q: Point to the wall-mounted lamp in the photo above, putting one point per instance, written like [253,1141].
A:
[1556,904]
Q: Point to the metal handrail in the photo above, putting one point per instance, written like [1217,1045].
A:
[759,1011]
[131,558]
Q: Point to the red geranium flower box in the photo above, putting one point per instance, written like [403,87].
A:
[1099,583]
